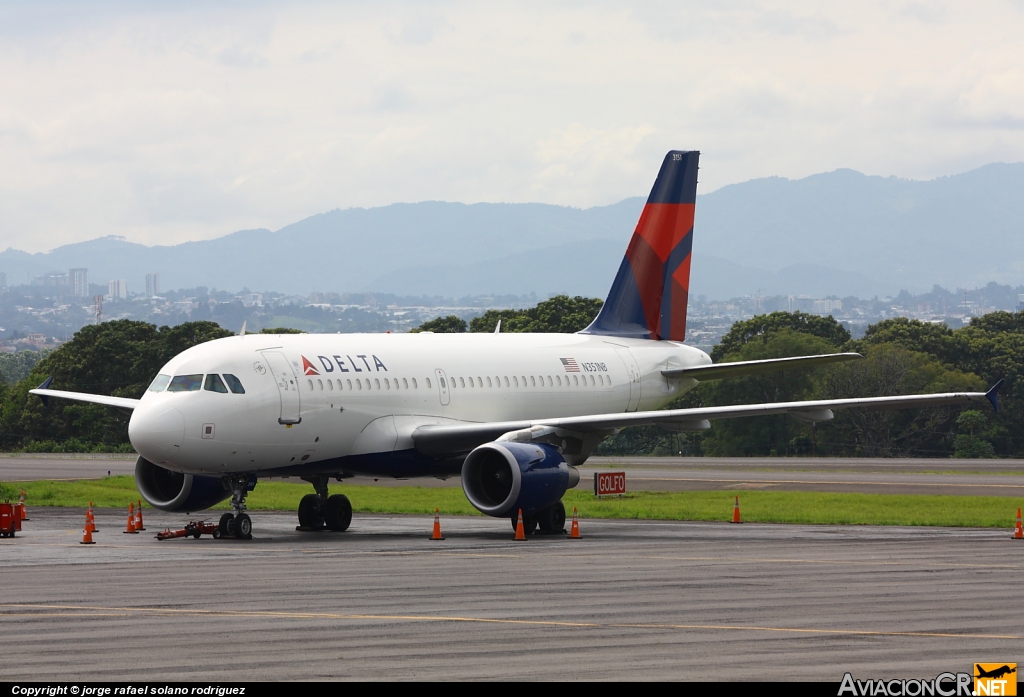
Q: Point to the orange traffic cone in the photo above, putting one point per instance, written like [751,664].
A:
[90,522]
[437,526]
[1018,530]
[130,528]
[138,517]
[87,532]
[574,531]
[520,530]
[736,511]
[21,504]
[92,518]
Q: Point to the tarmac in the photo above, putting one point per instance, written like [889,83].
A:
[631,600]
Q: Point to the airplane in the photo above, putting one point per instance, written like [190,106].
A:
[512,414]
[995,673]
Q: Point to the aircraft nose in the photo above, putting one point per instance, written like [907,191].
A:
[157,432]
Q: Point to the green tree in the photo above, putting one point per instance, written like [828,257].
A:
[16,366]
[969,445]
[889,370]
[911,334]
[280,330]
[443,325]
[762,326]
[560,314]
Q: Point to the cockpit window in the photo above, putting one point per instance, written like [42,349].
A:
[159,383]
[185,383]
[214,384]
[234,383]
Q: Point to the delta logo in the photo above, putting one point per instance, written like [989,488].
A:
[343,364]
[995,679]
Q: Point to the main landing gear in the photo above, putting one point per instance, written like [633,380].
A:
[237,524]
[318,511]
[549,521]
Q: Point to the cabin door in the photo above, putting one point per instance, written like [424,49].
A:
[287,385]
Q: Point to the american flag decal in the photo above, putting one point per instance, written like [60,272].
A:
[570,365]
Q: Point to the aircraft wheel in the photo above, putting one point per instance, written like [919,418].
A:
[243,527]
[338,513]
[216,533]
[310,515]
[552,519]
[227,525]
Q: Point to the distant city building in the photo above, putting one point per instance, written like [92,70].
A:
[1020,303]
[152,284]
[827,306]
[78,281]
[52,279]
[118,288]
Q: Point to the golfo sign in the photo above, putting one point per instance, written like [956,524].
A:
[609,483]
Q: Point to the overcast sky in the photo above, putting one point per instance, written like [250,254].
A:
[174,121]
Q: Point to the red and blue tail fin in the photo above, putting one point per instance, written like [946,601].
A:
[648,297]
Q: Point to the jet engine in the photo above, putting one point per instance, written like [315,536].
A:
[502,477]
[175,491]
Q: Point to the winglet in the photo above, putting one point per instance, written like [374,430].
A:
[993,395]
[45,386]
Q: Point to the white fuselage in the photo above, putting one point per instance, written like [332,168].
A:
[357,398]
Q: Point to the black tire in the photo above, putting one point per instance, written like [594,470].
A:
[227,525]
[243,527]
[197,534]
[216,533]
[310,515]
[552,519]
[338,513]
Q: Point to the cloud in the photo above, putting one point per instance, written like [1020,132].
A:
[174,121]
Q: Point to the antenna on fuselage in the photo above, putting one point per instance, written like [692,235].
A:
[242,333]
[497,329]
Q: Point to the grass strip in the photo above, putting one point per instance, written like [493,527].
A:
[756,506]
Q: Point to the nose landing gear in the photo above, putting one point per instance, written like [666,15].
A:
[237,524]
[320,510]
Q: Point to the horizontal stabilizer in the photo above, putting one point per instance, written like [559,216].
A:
[731,370]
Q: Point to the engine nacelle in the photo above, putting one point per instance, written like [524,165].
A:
[174,491]
[502,477]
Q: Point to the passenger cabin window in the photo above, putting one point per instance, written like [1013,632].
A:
[428,383]
[215,384]
[159,383]
[234,383]
[185,383]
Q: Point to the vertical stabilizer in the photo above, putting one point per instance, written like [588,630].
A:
[648,297]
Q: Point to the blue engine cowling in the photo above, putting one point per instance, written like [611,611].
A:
[175,491]
[502,477]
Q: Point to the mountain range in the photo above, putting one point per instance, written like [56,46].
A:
[838,233]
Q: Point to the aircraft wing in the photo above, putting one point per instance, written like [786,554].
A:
[728,370]
[447,440]
[123,403]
